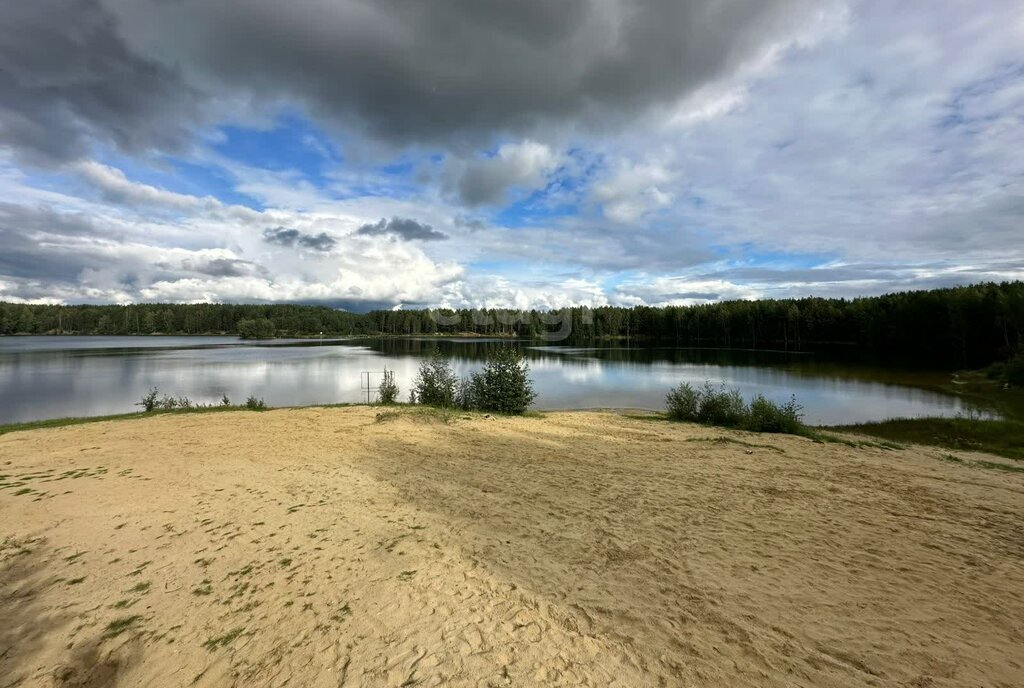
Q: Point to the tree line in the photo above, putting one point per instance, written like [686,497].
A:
[969,326]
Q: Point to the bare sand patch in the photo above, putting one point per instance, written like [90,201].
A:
[318,547]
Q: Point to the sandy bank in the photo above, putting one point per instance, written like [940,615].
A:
[319,547]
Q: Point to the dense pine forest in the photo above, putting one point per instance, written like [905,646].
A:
[969,326]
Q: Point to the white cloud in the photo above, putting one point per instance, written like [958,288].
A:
[487,180]
[680,291]
[634,190]
[117,188]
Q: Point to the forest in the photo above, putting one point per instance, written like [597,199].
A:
[969,326]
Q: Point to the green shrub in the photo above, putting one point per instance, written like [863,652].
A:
[725,407]
[720,406]
[255,404]
[153,402]
[767,416]
[1013,371]
[388,390]
[504,384]
[149,401]
[435,381]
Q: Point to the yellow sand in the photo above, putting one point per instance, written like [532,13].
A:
[320,547]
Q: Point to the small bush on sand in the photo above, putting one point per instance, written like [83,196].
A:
[255,404]
[504,385]
[153,402]
[720,406]
[725,407]
[388,390]
[149,401]
[682,402]
[435,381]
[767,416]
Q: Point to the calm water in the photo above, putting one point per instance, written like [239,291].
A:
[51,377]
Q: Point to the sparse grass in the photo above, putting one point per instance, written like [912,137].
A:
[653,416]
[996,466]
[203,589]
[1001,437]
[76,581]
[119,626]
[981,463]
[63,422]
[141,587]
[141,567]
[730,440]
[284,563]
[343,613]
[406,575]
[223,640]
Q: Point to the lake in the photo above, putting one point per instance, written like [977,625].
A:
[53,377]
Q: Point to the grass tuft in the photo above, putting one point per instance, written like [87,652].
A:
[119,626]
[223,640]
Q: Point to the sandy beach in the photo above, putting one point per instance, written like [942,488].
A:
[331,547]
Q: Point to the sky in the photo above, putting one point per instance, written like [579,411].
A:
[484,153]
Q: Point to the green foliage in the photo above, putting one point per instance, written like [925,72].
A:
[765,415]
[710,405]
[970,326]
[725,407]
[262,328]
[1010,372]
[504,385]
[149,401]
[388,390]
[682,402]
[435,382]
[153,402]
[465,399]
[255,404]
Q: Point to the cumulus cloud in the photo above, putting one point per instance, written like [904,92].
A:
[680,291]
[624,151]
[633,190]
[403,228]
[486,180]
[116,254]
[117,188]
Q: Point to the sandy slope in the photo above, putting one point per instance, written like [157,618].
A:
[319,547]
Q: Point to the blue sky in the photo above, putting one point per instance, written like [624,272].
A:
[370,155]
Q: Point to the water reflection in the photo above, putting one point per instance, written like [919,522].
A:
[48,377]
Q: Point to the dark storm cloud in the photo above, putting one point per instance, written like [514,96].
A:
[403,228]
[67,78]
[281,236]
[73,71]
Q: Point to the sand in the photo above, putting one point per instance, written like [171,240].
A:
[324,547]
